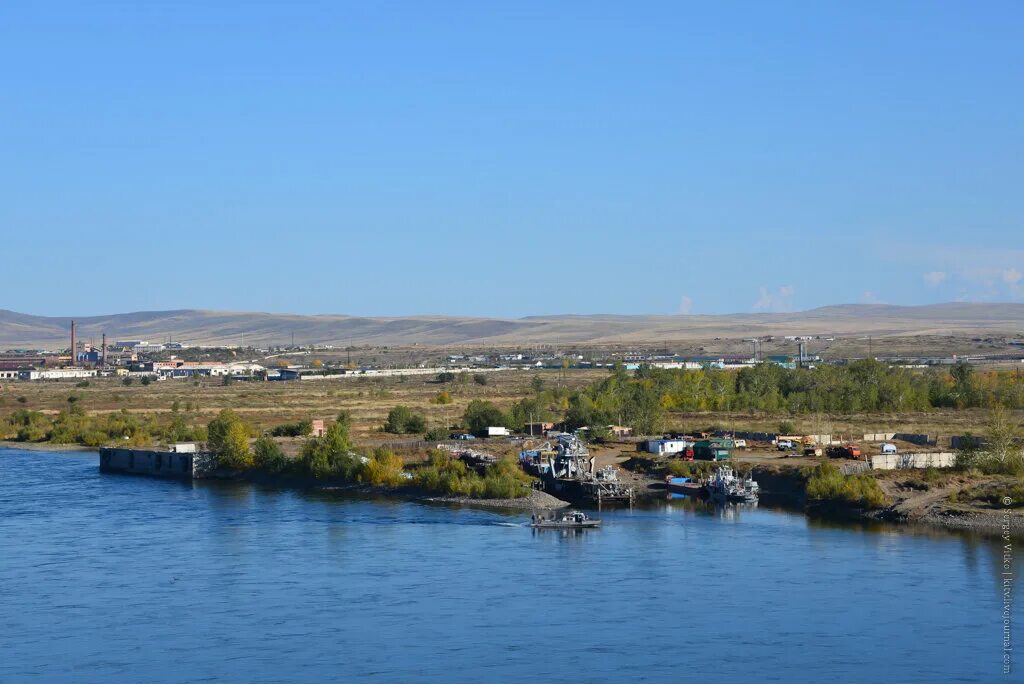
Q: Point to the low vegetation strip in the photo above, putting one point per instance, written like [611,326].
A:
[827,484]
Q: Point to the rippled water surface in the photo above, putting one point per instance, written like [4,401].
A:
[125,579]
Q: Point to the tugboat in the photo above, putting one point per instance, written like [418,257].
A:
[725,486]
[564,520]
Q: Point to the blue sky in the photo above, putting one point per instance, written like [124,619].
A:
[509,159]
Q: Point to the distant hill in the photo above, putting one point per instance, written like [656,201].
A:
[19,330]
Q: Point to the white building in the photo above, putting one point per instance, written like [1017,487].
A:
[665,447]
[56,374]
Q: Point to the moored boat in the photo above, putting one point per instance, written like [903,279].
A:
[724,485]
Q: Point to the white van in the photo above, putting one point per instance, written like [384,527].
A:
[888,448]
[740,443]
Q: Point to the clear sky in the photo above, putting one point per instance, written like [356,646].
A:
[508,159]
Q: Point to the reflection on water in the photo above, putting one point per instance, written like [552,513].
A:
[116,578]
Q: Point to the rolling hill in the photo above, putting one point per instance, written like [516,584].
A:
[18,330]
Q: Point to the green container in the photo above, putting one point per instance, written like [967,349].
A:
[713,449]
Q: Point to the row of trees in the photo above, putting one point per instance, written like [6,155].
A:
[863,386]
[331,457]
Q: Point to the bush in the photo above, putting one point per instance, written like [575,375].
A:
[450,477]
[83,384]
[828,483]
[402,420]
[383,469]
[127,381]
[268,457]
[302,428]
[786,427]
[436,434]
[480,378]
[678,468]
[996,494]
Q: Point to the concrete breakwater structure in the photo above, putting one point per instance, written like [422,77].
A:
[181,462]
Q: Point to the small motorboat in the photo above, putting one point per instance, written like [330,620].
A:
[564,520]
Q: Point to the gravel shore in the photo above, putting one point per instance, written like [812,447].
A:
[537,500]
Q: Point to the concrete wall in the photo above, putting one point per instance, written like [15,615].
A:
[156,463]
[878,436]
[943,459]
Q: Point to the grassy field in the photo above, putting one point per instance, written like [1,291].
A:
[368,400]
[266,404]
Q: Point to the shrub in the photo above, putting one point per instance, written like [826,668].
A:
[384,468]
[450,477]
[436,434]
[127,381]
[480,378]
[82,384]
[402,420]
[268,457]
[302,428]
[828,483]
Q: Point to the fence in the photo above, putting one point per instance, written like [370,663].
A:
[943,459]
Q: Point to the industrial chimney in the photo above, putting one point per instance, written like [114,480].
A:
[73,345]
[103,352]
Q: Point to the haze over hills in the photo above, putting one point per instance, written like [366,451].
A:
[201,327]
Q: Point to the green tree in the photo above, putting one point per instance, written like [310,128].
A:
[403,420]
[267,455]
[228,439]
[480,415]
[329,456]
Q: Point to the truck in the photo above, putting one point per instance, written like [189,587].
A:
[844,451]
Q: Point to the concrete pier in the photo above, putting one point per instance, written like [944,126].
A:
[181,465]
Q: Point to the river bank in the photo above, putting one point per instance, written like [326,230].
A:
[911,500]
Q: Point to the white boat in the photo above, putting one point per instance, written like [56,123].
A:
[724,485]
[564,520]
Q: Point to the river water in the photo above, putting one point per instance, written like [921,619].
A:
[110,578]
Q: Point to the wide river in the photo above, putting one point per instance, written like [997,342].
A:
[109,578]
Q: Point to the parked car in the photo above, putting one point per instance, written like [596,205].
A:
[739,443]
[888,448]
[812,451]
[784,444]
[463,435]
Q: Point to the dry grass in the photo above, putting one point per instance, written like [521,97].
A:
[266,404]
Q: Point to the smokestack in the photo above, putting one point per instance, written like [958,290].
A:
[73,344]
[103,352]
